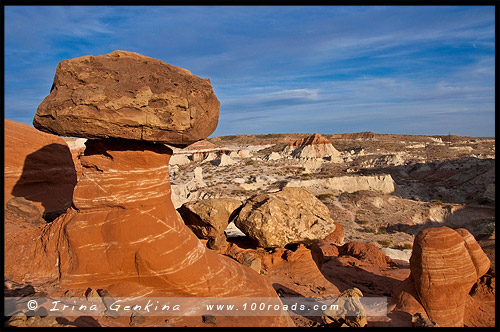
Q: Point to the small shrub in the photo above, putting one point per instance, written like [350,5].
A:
[324,196]
[437,201]
[384,243]
[408,246]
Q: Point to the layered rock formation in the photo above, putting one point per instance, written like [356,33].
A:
[314,146]
[122,231]
[293,215]
[381,183]
[131,96]
[445,264]
[209,218]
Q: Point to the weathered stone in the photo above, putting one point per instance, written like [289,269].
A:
[209,218]
[35,321]
[337,236]
[24,208]
[293,215]
[350,312]
[130,96]
[223,160]
[322,251]
[419,320]
[365,252]
[252,262]
[445,264]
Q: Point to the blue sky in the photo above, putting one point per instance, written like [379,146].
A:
[329,69]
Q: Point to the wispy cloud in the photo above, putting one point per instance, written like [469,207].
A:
[283,69]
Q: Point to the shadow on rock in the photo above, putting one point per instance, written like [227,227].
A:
[83,321]
[48,177]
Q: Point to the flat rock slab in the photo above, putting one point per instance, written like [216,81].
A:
[131,96]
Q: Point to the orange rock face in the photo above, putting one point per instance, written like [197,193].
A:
[445,264]
[337,236]
[365,252]
[38,167]
[123,228]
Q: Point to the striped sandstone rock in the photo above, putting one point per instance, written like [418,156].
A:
[445,264]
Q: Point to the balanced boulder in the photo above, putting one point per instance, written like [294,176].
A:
[130,96]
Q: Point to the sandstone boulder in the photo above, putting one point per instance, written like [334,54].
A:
[365,252]
[419,320]
[24,209]
[179,159]
[337,236]
[323,250]
[224,160]
[272,156]
[209,218]
[293,215]
[351,312]
[445,264]
[130,96]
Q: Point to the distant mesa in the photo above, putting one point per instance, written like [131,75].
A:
[314,146]
[310,140]
[130,96]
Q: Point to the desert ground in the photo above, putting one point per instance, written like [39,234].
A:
[393,186]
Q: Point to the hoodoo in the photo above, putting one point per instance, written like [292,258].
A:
[122,227]
[445,264]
